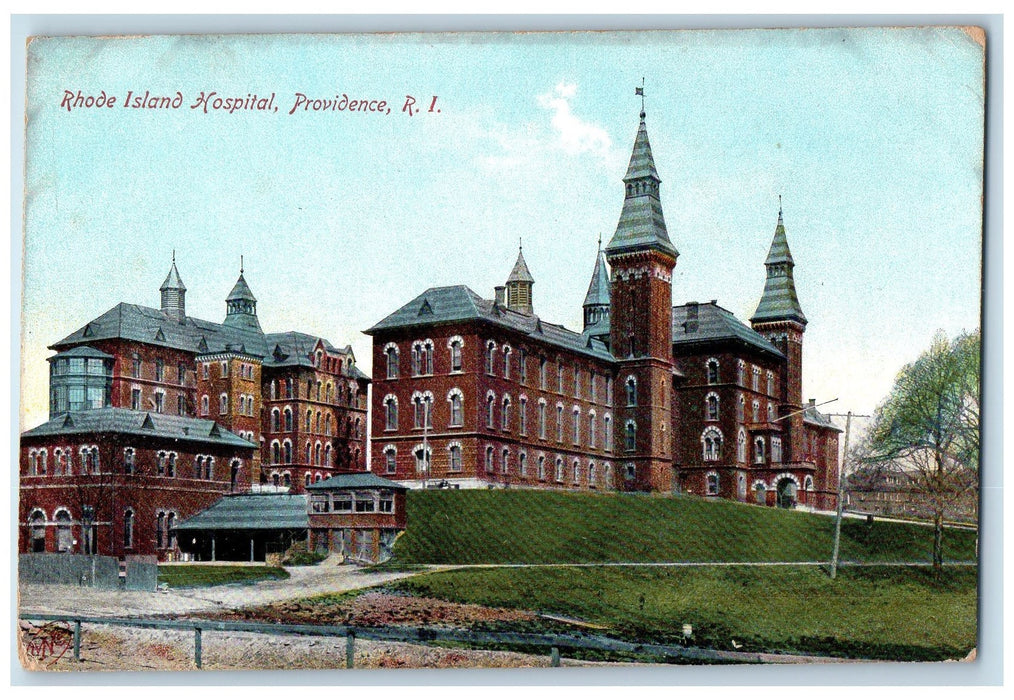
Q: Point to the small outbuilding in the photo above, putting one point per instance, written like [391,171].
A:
[358,515]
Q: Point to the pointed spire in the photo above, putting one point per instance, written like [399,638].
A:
[642,224]
[519,285]
[241,304]
[173,293]
[596,301]
[779,301]
[520,272]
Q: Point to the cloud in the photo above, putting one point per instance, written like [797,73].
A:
[575,135]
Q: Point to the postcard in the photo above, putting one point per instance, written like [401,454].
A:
[494,350]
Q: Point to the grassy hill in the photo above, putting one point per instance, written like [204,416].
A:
[543,527]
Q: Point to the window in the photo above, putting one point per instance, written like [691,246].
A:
[542,419]
[455,451]
[135,365]
[712,371]
[327,455]
[457,401]
[576,414]
[591,430]
[711,410]
[506,361]
[807,482]
[234,474]
[390,412]
[559,377]
[542,373]
[630,472]
[758,450]
[593,386]
[181,406]
[223,403]
[577,382]
[170,468]
[288,388]
[456,344]
[559,470]
[630,436]
[505,461]
[159,400]
[631,386]
[276,452]
[523,365]
[776,449]
[741,373]
[225,369]
[490,401]
[542,468]
[490,356]
[523,416]
[559,422]
[755,383]
[711,442]
[128,460]
[712,488]
[135,400]
[287,452]
[523,464]
[607,432]
[741,408]
[128,528]
[288,419]
[771,383]
[609,391]
[365,502]
[275,420]
[756,411]
[771,413]
[489,460]
[422,415]
[741,446]
[159,370]
[390,459]
[592,476]
[386,502]
[160,530]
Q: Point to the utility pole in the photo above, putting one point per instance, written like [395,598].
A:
[841,472]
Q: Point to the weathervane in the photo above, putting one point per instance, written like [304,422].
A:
[640,91]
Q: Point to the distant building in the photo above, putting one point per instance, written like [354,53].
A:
[475,392]
[155,414]
[358,516]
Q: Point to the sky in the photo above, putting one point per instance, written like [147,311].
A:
[872,137]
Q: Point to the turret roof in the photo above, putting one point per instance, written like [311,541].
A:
[520,272]
[779,301]
[598,288]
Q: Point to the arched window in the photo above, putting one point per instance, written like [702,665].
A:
[128,460]
[711,410]
[591,430]
[711,442]
[128,528]
[288,419]
[630,436]
[455,345]
[807,482]
[505,461]
[455,456]
[275,420]
[457,401]
[426,364]
[359,423]
[423,407]
[576,472]
[276,452]
[559,470]
[489,459]
[390,459]
[523,464]
[234,474]
[756,411]
[592,475]
[559,422]
[490,402]
[760,493]
[160,530]
[309,420]
[307,479]
[712,487]
[576,428]
[287,452]
[542,419]
[316,454]
[631,386]
[607,432]
[776,449]
[64,534]
[741,408]
[327,455]
[287,480]
[505,415]
[490,356]
[712,371]
[274,389]
[309,452]
[771,412]
[390,412]
[223,403]
[209,468]
[170,469]
[542,468]
[741,446]
[741,373]
[391,351]
[758,450]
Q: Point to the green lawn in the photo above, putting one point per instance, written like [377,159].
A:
[196,575]
[871,612]
[521,526]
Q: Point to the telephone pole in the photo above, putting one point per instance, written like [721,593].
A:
[841,472]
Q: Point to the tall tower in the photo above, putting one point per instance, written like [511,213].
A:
[519,286]
[241,306]
[596,301]
[780,319]
[642,259]
[174,294]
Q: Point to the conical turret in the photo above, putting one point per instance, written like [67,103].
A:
[779,301]
[596,301]
[241,305]
[519,286]
[174,294]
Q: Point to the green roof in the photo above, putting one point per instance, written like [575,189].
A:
[143,423]
[252,511]
[713,324]
[356,480]
[779,301]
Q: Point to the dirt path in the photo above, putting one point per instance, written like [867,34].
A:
[303,581]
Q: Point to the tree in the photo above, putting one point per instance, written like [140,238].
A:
[928,427]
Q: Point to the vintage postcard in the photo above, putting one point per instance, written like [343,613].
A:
[501,350]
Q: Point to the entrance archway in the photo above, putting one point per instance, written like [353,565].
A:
[787,493]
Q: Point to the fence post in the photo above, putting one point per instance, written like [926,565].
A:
[197,647]
[554,657]
[77,640]
[350,649]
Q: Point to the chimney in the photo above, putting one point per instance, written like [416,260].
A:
[692,310]
[813,403]
[498,297]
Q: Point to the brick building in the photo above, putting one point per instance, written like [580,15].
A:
[472,392]
[161,413]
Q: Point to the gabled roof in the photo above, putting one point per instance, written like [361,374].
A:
[252,511]
[715,324]
[357,480]
[129,422]
[440,305]
[82,351]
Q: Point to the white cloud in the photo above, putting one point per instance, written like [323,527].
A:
[575,135]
